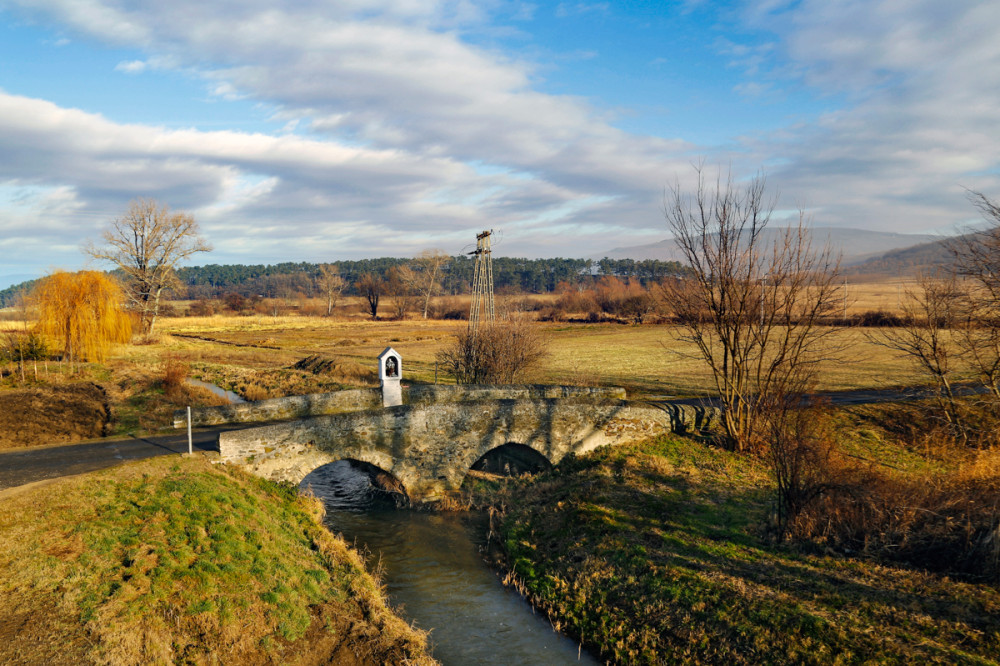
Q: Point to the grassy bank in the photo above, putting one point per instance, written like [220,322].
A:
[175,561]
[654,553]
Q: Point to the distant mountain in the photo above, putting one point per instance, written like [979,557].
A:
[856,245]
[906,261]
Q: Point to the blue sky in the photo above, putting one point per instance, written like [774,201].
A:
[314,130]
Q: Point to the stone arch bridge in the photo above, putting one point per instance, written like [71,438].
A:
[431,441]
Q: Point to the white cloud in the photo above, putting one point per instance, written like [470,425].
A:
[398,80]
[922,80]
[132,66]
[410,131]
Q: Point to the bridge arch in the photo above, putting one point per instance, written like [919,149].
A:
[512,458]
[354,483]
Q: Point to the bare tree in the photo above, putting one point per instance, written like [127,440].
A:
[330,284]
[930,312]
[977,255]
[753,309]
[400,286]
[371,287]
[428,270]
[977,262]
[147,243]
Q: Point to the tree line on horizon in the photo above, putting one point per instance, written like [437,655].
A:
[536,276]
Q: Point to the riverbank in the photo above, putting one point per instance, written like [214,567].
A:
[657,553]
[176,560]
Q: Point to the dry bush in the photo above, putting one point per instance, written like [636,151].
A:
[570,301]
[312,308]
[800,446]
[201,308]
[449,307]
[254,392]
[628,300]
[941,522]
[499,352]
[878,318]
[175,372]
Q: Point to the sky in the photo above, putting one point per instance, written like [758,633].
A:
[317,130]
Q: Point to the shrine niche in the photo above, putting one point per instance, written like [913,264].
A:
[390,372]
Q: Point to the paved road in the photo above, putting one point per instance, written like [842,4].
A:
[39,463]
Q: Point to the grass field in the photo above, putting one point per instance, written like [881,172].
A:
[176,561]
[254,356]
[647,359]
[658,553]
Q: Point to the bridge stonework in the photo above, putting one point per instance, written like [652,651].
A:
[429,448]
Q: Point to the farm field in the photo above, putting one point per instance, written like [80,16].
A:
[646,359]
[257,356]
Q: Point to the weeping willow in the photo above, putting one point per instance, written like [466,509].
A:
[84,310]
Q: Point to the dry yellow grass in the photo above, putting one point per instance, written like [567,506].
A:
[238,351]
[647,359]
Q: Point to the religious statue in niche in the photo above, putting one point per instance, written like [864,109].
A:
[391,367]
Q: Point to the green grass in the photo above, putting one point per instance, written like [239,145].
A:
[173,560]
[655,553]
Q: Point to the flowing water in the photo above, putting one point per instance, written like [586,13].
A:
[436,577]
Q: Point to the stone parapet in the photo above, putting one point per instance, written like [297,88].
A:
[337,402]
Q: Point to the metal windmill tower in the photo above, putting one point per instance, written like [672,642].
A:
[482,283]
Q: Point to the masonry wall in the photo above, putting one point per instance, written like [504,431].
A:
[337,402]
[431,447]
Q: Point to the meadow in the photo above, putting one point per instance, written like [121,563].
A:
[261,356]
[648,359]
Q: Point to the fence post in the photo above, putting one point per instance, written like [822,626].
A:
[190,443]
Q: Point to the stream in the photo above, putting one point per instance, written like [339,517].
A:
[233,398]
[436,577]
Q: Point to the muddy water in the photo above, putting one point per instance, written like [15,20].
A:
[435,575]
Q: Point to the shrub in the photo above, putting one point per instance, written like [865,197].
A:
[499,352]
[944,521]
[878,318]
[800,448]
[450,307]
[201,308]
[948,523]
[623,299]
[175,372]
[23,346]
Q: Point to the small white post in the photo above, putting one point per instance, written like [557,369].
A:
[190,442]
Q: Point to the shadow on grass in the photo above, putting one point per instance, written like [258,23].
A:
[658,549]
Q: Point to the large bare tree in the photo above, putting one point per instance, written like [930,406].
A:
[428,269]
[147,243]
[755,304]
[371,286]
[330,284]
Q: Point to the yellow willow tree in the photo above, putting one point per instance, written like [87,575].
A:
[84,310]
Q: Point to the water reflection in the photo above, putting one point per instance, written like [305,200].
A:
[433,570]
